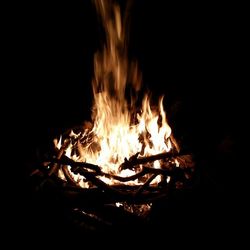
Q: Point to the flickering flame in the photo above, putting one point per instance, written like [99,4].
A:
[119,131]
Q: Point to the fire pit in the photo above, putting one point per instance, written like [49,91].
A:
[126,157]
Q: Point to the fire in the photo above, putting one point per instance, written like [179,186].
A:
[118,130]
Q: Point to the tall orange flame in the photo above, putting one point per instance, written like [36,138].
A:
[115,135]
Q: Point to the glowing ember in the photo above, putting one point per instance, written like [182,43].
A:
[118,130]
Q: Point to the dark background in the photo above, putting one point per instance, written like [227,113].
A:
[190,52]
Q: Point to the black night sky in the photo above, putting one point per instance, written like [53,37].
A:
[190,52]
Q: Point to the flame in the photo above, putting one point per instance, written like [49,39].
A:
[119,131]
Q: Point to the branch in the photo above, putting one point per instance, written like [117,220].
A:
[67,161]
[136,161]
[60,153]
[150,179]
